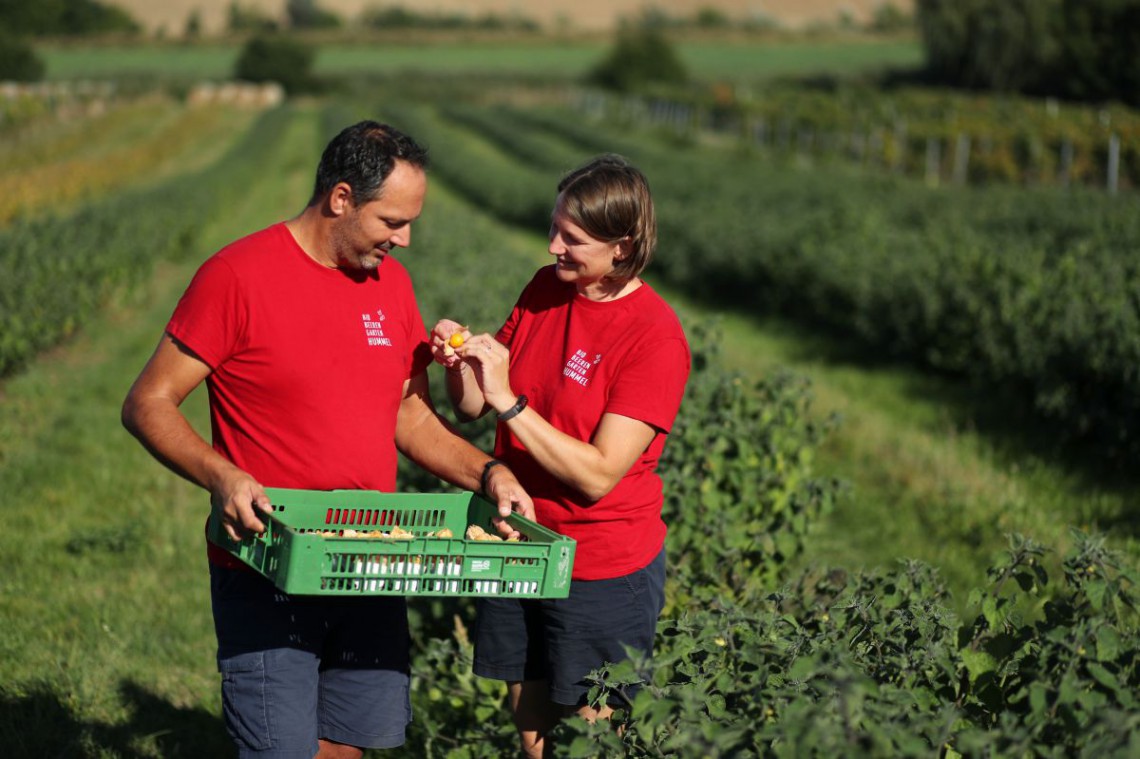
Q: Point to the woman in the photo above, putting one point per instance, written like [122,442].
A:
[586,377]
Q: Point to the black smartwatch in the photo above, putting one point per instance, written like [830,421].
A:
[514,410]
[487,473]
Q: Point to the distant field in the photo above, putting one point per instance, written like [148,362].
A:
[707,60]
[106,62]
[581,15]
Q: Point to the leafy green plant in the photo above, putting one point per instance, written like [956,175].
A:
[874,664]
[640,56]
[739,492]
[18,60]
[277,58]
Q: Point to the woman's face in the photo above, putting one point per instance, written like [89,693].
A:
[581,259]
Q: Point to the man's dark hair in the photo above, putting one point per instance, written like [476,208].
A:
[362,156]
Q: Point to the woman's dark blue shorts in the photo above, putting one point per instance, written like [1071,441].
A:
[563,640]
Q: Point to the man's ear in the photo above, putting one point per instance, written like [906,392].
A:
[340,199]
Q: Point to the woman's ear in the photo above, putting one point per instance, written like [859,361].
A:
[622,251]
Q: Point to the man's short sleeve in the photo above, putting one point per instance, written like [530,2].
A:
[211,317]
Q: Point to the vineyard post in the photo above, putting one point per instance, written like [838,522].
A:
[1066,161]
[1113,162]
[877,147]
[933,159]
[803,141]
[961,158]
[760,131]
[898,160]
[857,144]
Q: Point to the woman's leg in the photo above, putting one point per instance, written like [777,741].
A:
[535,715]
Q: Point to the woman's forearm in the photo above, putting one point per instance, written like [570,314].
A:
[591,468]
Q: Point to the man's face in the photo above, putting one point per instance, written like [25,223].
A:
[367,232]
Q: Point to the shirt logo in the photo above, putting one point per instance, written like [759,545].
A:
[578,368]
[374,329]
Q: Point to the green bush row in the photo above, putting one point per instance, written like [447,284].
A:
[514,192]
[57,270]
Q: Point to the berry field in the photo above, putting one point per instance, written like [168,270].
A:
[902,515]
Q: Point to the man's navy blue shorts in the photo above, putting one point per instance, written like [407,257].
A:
[563,640]
[299,668]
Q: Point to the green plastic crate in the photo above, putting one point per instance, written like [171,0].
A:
[298,559]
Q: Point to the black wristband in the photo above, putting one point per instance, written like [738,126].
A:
[487,473]
[514,410]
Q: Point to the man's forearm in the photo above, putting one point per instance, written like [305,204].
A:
[464,393]
[168,436]
[434,446]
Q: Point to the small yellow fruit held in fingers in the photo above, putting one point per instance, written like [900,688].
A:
[456,340]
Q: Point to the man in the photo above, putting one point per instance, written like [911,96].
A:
[310,341]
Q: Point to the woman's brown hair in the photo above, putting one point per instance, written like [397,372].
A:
[609,199]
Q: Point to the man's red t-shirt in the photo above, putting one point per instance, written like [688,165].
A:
[308,363]
[575,360]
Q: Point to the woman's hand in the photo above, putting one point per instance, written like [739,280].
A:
[491,361]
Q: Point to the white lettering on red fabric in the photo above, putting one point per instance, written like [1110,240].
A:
[577,367]
[374,329]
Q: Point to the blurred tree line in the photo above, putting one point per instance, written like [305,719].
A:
[1078,49]
[36,18]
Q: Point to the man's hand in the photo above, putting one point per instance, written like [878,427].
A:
[444,341]
[504,489]
[239,500]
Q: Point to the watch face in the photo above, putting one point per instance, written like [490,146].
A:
[514,410]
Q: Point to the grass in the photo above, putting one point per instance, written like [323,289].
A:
[206,61]
[758,61]
[552,58]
